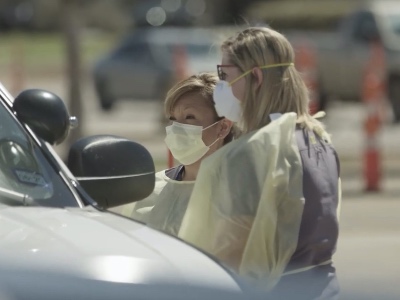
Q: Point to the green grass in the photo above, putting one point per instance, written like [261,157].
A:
[48,51]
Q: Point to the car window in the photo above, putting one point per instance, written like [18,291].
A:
[192,50]
[25,173]
[201,49]
[394,23]
[364,27]
[164,53]
[134,48]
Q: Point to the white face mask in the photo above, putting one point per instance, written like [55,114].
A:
[226,104]
[185,142]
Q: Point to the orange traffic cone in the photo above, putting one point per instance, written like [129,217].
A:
[180,61]
[374,95]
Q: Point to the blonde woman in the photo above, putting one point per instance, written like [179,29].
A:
[267,204]
[196,131]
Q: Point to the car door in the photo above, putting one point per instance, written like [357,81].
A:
[358,53]
[135,71]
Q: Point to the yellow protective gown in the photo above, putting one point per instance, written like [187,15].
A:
[247,203]
[164,208]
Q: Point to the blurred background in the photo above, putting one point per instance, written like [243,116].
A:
[112,62]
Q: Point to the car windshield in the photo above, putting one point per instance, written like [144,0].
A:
[164,52]
[200,49]
[26,176]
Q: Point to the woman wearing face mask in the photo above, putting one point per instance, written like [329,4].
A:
[196,131]
[267,204]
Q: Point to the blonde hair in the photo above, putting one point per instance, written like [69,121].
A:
[202,84]
[282,89]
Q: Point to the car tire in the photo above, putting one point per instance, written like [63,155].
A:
[323,100]
[106,102]
[106,105]
[394,97]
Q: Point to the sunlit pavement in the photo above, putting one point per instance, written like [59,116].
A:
[369,244]
[367,259]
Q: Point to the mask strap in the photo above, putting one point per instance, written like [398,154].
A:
[217,137]
[262,67]
[277,65]
[209,146]
[238,78]
[212,125]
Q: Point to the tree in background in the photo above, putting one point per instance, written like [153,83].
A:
[71,28]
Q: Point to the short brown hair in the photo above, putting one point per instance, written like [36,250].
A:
[203,84]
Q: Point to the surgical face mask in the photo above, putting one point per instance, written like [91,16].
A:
[226,104]
[185,142]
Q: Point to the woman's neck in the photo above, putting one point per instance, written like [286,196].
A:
[190,172]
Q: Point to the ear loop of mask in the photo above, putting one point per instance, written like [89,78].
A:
[209,146]
[209,126]
[218,138]
[262,67]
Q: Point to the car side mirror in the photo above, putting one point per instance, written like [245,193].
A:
[45,113]
[112,170]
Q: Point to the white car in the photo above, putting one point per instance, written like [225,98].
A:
[57,242]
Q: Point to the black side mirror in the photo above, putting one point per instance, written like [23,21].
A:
[45,113]
[112,170]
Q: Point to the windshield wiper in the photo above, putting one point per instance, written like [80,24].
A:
[23,199]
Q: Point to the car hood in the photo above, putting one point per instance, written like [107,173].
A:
[100,245]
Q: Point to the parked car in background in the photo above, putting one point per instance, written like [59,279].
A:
[58,241]
[30,15]
[142,65]
[342,51]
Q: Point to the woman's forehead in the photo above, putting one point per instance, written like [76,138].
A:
[225,59]
[192,101]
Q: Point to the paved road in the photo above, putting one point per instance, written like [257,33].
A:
[367,258]
[369,245]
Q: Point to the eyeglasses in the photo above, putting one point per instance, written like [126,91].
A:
[221,74]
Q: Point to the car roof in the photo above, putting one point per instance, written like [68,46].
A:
[181,35]
[385,7]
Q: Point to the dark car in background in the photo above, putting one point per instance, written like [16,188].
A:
[143,65]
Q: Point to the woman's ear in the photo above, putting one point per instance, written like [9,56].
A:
[224,128]
[257,73]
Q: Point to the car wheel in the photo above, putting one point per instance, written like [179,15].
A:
[106,102]
[394,97]
[323,100]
